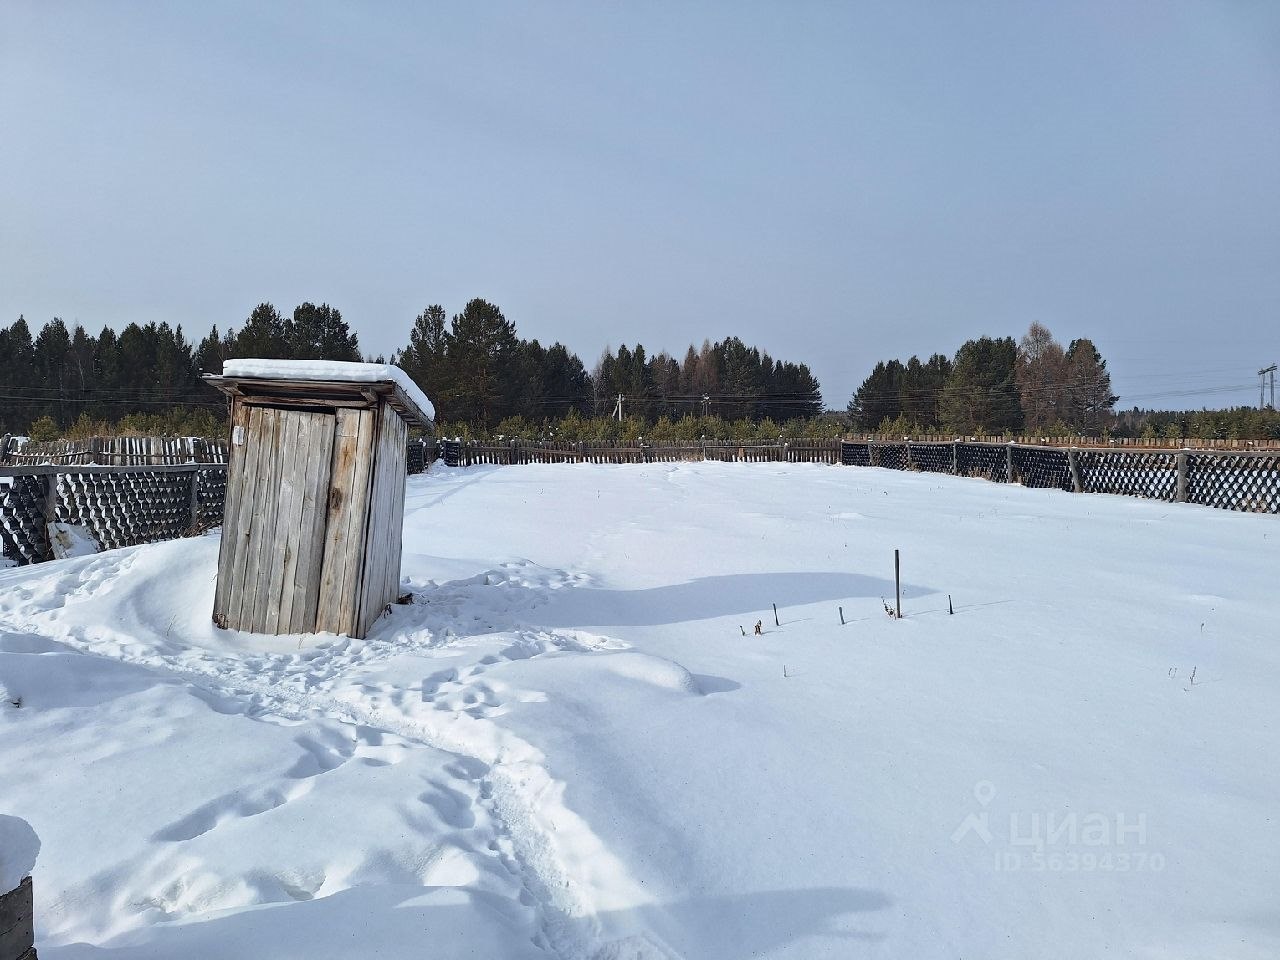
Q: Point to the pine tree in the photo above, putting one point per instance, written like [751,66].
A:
[262,336]
[879,397]
[426,361]
[981,394]
[1089,399]
[52,346]
[320,333]
[482,349]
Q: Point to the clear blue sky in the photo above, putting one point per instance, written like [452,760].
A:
[839,183]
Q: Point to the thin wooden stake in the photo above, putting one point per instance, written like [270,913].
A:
[950,608]
[775,616]
[897,583]
[841,609]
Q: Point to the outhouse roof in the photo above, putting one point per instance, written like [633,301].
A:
[314,377]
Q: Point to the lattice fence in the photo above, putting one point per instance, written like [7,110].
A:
[989,462]
[1135,473]
[892,456]
[121,509]
[117,507]
[855,454]
[933,457]
[211,496]
[1248,482]
[23,538]
[1038,467]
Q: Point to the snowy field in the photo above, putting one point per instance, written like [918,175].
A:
[565,747]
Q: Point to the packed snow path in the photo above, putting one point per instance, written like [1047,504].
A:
[565,747]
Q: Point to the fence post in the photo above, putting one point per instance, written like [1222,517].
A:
[1182,477]
[4,447]
[1008,463]
[195,500]
[873,454]
[955,457]
[1073,461]
[49,508]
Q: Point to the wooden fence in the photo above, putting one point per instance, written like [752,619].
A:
[117,506]
[1108,443]
[465,453]
[125,505]
[1246,480]
[118,451]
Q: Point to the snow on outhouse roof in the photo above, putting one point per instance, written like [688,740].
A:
[331,371]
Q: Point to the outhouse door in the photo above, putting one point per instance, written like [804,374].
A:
[275,518]
[297,504]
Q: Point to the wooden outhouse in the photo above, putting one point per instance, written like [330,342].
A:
[311,536]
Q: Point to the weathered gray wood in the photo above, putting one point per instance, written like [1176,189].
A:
[380,584]
[193,503]
[345,524]
[1181,492]
[266,535]
[257,482]
[1073,462]
[358,521]
[376,394]
[309,403]
[226,548]
[17,921]
[235,531]
[314,514]
[284,536]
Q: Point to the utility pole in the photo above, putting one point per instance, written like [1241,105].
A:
[617,410]
[706,405]
[1262,386]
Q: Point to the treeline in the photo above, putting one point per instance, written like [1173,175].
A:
[474,366]
[689,429]
[1236,423]
[480,373]
[146,378]
[991,387]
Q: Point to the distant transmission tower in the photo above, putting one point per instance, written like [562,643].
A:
[1262,386]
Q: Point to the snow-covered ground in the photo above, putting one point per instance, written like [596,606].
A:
[567,747]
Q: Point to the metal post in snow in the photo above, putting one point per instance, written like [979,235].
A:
[897,583]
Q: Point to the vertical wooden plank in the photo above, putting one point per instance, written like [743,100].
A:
[345,524]
[282,545]
[395,517]
[314,514]
[260,438]
[240,535]
[374,548]
[268,505]
[236,471]
[381,583]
